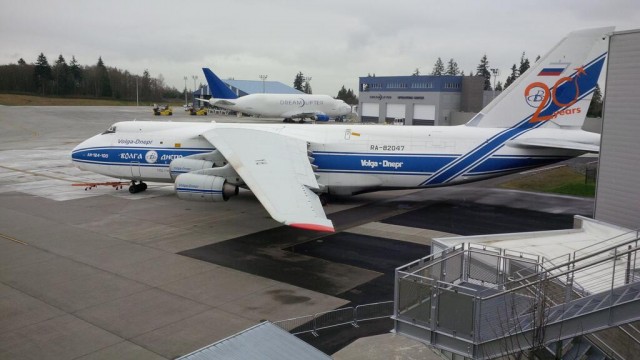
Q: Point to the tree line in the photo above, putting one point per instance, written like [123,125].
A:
[483,69]
[303,83]
[73,79]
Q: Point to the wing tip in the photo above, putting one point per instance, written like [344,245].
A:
[314,227]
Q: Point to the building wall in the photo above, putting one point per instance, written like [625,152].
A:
[443,105]
[436,97]
[406,97]
[472,94]
[618,192]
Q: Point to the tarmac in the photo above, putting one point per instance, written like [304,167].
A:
[102,274]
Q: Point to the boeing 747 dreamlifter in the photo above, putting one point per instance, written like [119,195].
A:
[287,106]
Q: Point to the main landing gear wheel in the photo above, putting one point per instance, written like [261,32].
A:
[136,188]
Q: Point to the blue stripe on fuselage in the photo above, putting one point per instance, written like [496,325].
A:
[141,156]
[380,163]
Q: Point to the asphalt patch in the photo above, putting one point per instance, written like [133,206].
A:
[466,218]
[367,252]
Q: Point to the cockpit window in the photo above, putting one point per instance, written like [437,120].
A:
[110,130]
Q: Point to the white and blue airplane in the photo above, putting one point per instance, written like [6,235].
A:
[287,106]
[289,168]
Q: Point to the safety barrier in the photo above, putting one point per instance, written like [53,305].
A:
[505,301]
[339,317]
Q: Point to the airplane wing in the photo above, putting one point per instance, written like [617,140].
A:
[555,144]
[276,168]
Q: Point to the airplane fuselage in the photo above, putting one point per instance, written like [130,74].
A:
[349,158]
[287,105]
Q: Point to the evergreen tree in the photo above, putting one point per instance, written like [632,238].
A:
[307,87]
[483,70]
[22,62]
[416,72]
[462,73]
[76,73]
[298,82]
[61,76]
[595,108]
[452,68]
[104,84]
[524,65]
[438,68]
[499,86]
[347,96]
[512,77]
[41,72]
[352,98]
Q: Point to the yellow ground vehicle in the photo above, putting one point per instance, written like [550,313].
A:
[162,110]
[201,111]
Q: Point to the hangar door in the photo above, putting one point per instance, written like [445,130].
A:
[618,193]
[424,114]
[395,111]
[370,112]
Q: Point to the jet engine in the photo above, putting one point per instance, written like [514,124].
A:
[199,187]
[321,117]
[187,165]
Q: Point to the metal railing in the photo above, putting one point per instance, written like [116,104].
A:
[344,316]
[497,294]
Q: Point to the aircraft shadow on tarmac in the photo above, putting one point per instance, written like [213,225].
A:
[360,268]
[329,264]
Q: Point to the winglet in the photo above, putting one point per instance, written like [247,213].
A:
[314,227]
[218,88]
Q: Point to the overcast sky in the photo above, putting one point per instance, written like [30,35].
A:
[333,42]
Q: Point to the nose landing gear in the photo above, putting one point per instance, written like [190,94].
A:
[136,188]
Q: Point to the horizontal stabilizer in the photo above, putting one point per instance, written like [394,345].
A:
[554,144]
[220,102]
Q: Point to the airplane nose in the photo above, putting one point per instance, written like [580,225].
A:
[80,151]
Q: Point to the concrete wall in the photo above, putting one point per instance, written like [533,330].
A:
[618,193]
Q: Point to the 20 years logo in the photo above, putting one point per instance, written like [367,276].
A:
[538,95]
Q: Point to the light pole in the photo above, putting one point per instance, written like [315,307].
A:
[137,102]
[194,77]
[495,73]
[185,92]
[263,77]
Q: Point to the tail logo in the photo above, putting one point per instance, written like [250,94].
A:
[538,94]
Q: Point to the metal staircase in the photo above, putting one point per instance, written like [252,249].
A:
[483,302]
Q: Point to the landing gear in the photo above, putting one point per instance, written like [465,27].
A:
[301,121]
[287,120]
[324,198]
[136,188]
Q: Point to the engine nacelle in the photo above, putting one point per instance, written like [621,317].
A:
[186,165]
[198,187]
[321,117]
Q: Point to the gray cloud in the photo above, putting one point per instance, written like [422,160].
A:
[333,41]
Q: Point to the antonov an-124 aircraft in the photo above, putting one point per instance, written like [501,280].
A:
[535,122]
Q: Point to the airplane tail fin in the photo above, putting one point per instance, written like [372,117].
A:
[219,90]
[556,90]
